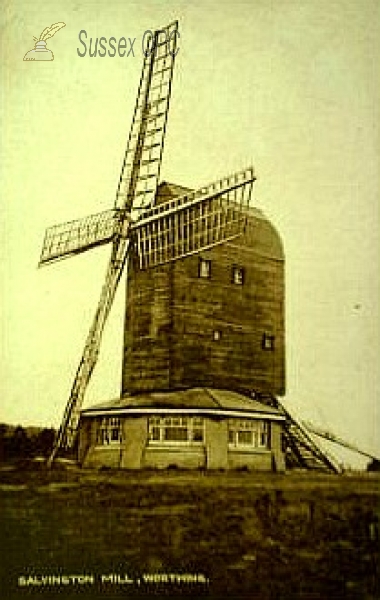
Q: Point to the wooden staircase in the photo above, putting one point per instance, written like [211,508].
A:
[301,451]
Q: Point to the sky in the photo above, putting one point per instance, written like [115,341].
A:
[291,87]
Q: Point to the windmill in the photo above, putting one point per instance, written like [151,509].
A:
[184,226]
[153,233]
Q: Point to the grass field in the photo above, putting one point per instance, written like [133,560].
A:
[235,535]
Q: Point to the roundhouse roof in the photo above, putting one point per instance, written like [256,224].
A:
[195,401]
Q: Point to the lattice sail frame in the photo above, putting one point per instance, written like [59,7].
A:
[146,138]
[196,221]
[67,239]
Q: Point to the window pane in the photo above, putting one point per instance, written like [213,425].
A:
[155,434]
[115,434]
[245,438]
[198,435]
[175,434]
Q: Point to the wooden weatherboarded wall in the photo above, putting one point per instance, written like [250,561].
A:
[183,330]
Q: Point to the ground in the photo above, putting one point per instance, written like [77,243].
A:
[175,533]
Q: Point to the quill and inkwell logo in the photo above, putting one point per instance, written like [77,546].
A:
[40,52]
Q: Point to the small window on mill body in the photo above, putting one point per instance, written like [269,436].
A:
[204,268]
[216,335]
[237,275]
[267,342]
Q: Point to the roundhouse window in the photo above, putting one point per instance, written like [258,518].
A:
[109,431]
[248,433]
[175,429]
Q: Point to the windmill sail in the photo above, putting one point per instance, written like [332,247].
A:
[142,161]
[67,432]
[196,221]
[141,164]
[67,239]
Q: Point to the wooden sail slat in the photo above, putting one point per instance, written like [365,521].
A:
[197,221]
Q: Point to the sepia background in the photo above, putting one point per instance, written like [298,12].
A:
[290,86]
